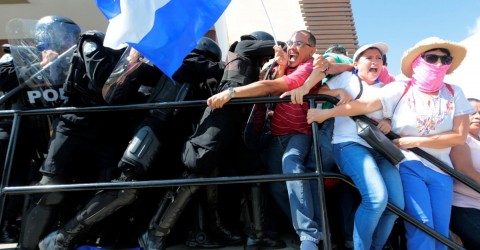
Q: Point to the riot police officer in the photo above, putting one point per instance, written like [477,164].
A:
[242,67]
[220,130]
[150,139]
[34,132]
[8,81]
[83,145]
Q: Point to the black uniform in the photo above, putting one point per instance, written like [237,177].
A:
[217,143]
[8,80]
[83,145]
[219,129]
[8,77]
[31,146]
[151,137]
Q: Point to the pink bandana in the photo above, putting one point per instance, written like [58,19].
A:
[428,77]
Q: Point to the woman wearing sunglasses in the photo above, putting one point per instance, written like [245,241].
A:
[466,202]
[429,114]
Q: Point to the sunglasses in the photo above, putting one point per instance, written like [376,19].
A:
[432,58]
[297,44]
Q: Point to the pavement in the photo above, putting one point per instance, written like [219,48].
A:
[288,240]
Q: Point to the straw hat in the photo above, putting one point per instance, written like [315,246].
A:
[457,52]
[383,47]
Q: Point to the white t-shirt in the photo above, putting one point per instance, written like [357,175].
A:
[415,114]
[464,196]
[345,129]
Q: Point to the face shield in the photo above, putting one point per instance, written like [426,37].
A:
[40,84]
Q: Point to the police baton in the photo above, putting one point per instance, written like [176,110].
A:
[17,89]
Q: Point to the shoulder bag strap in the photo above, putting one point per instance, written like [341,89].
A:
[361,87]
[404,92]
[449,87]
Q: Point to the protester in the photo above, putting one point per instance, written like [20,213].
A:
[376,179]
[466,202]
[345,204]
[427,113]
[291,134]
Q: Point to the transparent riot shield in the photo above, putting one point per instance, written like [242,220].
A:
[118,89]
[41,51]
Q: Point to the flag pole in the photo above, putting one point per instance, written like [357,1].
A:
[270,22]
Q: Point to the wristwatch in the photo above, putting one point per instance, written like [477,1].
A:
[232,92]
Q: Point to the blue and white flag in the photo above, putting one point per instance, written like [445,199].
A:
[164,31]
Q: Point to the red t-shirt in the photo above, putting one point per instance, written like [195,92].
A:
[292,118]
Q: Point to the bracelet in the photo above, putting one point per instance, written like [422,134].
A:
[232,92]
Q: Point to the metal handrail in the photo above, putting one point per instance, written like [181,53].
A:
[320,175]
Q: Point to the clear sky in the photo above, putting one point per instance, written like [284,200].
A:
[402,23]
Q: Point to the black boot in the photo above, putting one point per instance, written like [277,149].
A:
[228,237]
[200,236]
[200,239]
[7,235]
[169,211]
[150,241]
[257,238]
[257,243]
[65,238]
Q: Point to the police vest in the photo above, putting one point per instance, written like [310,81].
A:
[240,69]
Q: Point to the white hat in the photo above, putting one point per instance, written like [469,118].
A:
[383,47]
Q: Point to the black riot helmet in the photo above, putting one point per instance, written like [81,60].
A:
[257,35]
[210,47]
[262,35]
[56,33]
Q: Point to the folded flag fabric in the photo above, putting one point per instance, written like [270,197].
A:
[164,31]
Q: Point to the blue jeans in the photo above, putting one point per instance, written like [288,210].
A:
[274,162]
[428,198]
[378,182]
[289,152]
[325,134]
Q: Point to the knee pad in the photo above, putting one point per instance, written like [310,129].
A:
[140,152]
[51,180]
[54,198]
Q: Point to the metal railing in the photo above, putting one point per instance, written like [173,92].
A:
[320,175]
